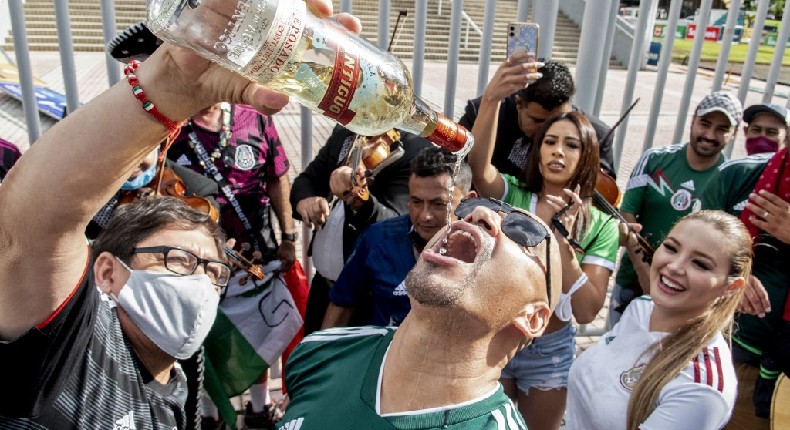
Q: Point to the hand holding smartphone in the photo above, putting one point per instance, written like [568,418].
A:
[522,37]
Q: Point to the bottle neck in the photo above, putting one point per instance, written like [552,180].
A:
[437,128]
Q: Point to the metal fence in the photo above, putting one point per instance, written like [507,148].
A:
[598,24]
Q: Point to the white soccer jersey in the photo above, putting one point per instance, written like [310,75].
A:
[601,380]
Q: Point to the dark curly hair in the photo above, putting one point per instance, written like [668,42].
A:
[435,161]
[553,89]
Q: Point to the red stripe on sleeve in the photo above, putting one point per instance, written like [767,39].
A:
[696,369]
[68,299]
[719,370]
[708,368]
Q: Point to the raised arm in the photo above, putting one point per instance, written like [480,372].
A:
[510,77]
[51,195]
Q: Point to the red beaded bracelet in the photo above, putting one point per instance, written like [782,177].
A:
[173,127]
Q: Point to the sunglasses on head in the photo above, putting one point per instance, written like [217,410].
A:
[517,226]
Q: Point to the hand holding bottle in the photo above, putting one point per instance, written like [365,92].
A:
[180,82]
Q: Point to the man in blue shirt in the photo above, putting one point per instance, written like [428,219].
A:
[387,250]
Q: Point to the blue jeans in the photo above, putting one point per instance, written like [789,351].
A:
[545,363]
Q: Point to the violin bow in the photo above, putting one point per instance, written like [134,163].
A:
[395,30]
[622,118]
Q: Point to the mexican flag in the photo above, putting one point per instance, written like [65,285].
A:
[254,325]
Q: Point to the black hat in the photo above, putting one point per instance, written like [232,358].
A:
[776,110]
[135,43]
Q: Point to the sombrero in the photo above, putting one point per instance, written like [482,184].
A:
[135,43]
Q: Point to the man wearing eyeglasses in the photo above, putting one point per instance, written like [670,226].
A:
[482,289]
[89,337]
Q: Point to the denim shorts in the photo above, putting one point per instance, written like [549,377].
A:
[621,297]
[544,364]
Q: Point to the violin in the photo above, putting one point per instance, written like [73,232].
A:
[168,183]
[373,154]
[606,198]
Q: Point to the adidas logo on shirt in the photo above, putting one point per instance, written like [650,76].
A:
[293,424]
[400,290]
[183,160]
[125,423]
[688,184]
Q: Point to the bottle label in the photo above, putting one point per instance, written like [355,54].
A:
[278,45]
[345,78]
[448,134]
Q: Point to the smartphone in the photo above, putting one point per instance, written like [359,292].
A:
[522,37]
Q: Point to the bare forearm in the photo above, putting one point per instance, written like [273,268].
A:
[279,190]
[484,175]
[336,316]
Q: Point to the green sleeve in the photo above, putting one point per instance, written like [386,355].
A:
[634,191]
[516,195]
[714,193]
[602,241]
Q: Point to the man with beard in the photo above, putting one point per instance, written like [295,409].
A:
[667,181]
[441,367]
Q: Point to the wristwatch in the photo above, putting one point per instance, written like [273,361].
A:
[290,237]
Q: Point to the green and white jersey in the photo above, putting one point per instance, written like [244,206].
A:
[334,380]
[602,240]
[728,190]
[663,188]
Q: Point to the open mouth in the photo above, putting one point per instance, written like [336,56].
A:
[460,245]
[669,285]
[555,165]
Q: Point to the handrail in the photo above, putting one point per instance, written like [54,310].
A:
[470,23]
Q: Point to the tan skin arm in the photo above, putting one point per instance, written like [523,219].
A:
[510,77]
[279,190]
[74,168]
[628,240]
[337,316]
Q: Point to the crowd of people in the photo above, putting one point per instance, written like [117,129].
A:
[445,290]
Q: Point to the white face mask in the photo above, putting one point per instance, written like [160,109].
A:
[175,312]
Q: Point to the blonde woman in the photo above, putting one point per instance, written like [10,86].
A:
[666,364]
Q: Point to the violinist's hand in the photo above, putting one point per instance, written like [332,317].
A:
[314,211]
[286,253]
[340,183]
[628,233]
[180,82]
[512,75]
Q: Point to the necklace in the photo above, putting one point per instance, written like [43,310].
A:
[224,134]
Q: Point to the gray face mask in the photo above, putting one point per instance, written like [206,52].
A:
[174,312]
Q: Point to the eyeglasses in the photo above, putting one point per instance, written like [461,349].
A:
[183,262]
[517,225]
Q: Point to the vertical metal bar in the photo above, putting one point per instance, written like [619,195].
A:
[634,64]
[108,30]
[452,58]
[588,60]
[726,44]
[420,23]
[67,55]
[384,24]
[751,55]
[522,9]
[346,6]
[439,12]
[22,55]
[691,73]
[779,52]
[485,45]
[661,78]
[306,120]
[611,21]
[544,13]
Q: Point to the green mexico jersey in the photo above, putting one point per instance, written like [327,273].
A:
[662,189]
[729,191]
[602,240]
[334,380]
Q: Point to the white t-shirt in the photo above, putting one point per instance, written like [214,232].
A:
[601,379]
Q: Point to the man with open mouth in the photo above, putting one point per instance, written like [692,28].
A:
[441,367]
